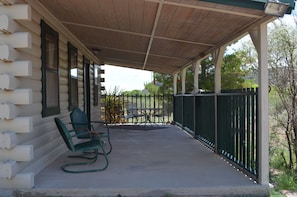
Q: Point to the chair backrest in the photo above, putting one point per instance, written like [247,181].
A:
[65,134]
[80,122]
[132,109]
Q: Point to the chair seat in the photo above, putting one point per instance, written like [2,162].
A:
[89,145]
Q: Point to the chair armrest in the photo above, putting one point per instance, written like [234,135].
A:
[102,122]
[79,123]
[99,122]
[83,131]
[96,133]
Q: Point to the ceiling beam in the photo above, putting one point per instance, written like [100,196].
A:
[153,32]
[105,29]
[135,52]
[185,41]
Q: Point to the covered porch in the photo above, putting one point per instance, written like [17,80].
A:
[160,160]
[165,36]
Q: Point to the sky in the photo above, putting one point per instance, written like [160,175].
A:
[127,79]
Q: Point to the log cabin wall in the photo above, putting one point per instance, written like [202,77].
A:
[28,141]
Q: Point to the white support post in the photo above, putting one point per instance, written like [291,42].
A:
[175,83]
[183,73]
[196,76]
[218,59]
[259,37]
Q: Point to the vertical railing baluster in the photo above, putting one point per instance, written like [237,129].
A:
[243,131]
[257,133]
[248,151]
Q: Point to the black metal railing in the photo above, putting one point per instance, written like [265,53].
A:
[238,128]
[134,109]
[205,118]
[236,114]
[188,112]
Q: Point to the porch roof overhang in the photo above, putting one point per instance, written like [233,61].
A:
[158,35]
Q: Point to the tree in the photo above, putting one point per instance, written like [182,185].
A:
[283,67]
[132,93]
[151,88]
[233,72]
[164,82]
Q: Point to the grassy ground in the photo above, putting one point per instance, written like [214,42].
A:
[283,180]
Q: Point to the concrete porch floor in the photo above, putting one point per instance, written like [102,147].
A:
[149,161]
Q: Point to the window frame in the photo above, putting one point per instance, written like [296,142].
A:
[87,86]
[72,50]
[46,33]
[96,84]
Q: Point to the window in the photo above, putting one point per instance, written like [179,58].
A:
[50,70]
[96,84]
[72,77]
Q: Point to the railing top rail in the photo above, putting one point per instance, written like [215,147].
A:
[237,94]
[199,94]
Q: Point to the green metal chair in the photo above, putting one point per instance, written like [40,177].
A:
[90,145]
[80,123]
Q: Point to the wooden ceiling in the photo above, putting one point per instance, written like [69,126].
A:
[157,35]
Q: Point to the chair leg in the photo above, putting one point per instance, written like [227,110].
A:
[105,158]
[64,167]
[83,155]
[110,147]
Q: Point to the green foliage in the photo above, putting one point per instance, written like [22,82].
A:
[132,93]
[249,83]
[282,50]
[115,91]
[206,78]
[275,193]
[113,106]
[151,88]
[164,82]
[232,73]
[285,181]
[276,160]
[281,176]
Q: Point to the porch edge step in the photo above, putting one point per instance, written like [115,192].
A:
[256,190]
